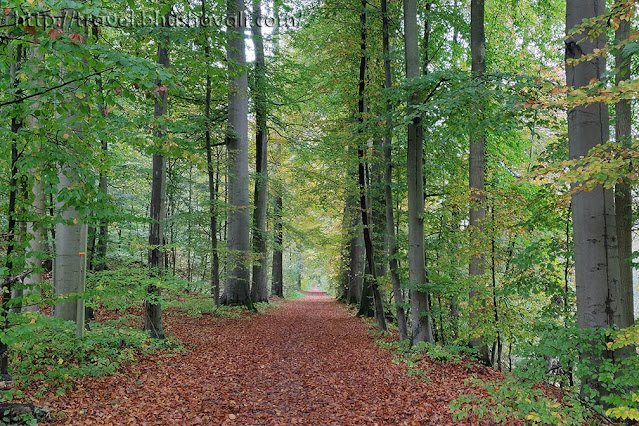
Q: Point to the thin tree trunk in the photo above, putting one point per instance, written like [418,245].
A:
[259,285]
[152,306]
[421,317]
[238,243]
[623,192]
[278,277]
[594,233]
[214,177]
[391,243]
[476,181]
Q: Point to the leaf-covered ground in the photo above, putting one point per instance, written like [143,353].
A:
[307,362]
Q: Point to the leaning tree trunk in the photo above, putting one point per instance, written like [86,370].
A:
[623,192]
[476,166]
[597,273]
[238,244]
[259,287]
[152,306]
[421,318]
[391,244]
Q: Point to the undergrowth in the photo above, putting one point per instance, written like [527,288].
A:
[46,353]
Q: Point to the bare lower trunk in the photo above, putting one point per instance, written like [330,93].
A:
[421,318]
[597,275]
[238,244]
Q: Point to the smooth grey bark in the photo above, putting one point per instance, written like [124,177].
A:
[476,172]
[238,245]
[69,266]
[623,191]
[391,243]
[157,213]
[259,285]
[597,274]
[419,299]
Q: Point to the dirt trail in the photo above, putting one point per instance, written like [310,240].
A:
[307,362]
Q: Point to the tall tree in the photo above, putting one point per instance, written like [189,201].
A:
[277,285]
[476,173]
[419,299]
[237,280]
[364,206]
[259,287]
[391,244]
[623,191]
[212,172]
[69,267]
[152,306]
[597,275]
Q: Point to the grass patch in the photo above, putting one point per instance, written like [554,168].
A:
[294,294]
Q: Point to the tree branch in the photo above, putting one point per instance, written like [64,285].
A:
[50,89]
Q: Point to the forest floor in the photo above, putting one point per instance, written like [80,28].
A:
[309,361]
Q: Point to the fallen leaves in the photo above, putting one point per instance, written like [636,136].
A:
[308,362]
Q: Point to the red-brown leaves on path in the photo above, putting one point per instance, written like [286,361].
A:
[308,362]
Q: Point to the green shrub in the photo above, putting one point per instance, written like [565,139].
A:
[45,350]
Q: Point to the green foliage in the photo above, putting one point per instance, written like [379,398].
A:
[513,399]
[293,294]
[52,355]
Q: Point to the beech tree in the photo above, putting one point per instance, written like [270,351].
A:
[259,287]
[599,296]
[419,298]
[476,170]
[152,306]
[238,276]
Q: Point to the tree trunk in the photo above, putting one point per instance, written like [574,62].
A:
[623,193]
[259,287]
[355,252]
[597,273]
[69,268]
[214,177]
[277,289]
[421,318]
[476,163]
[391,244]
[238,244]
[152,306]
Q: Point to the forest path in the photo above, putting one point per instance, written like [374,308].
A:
[307,362]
